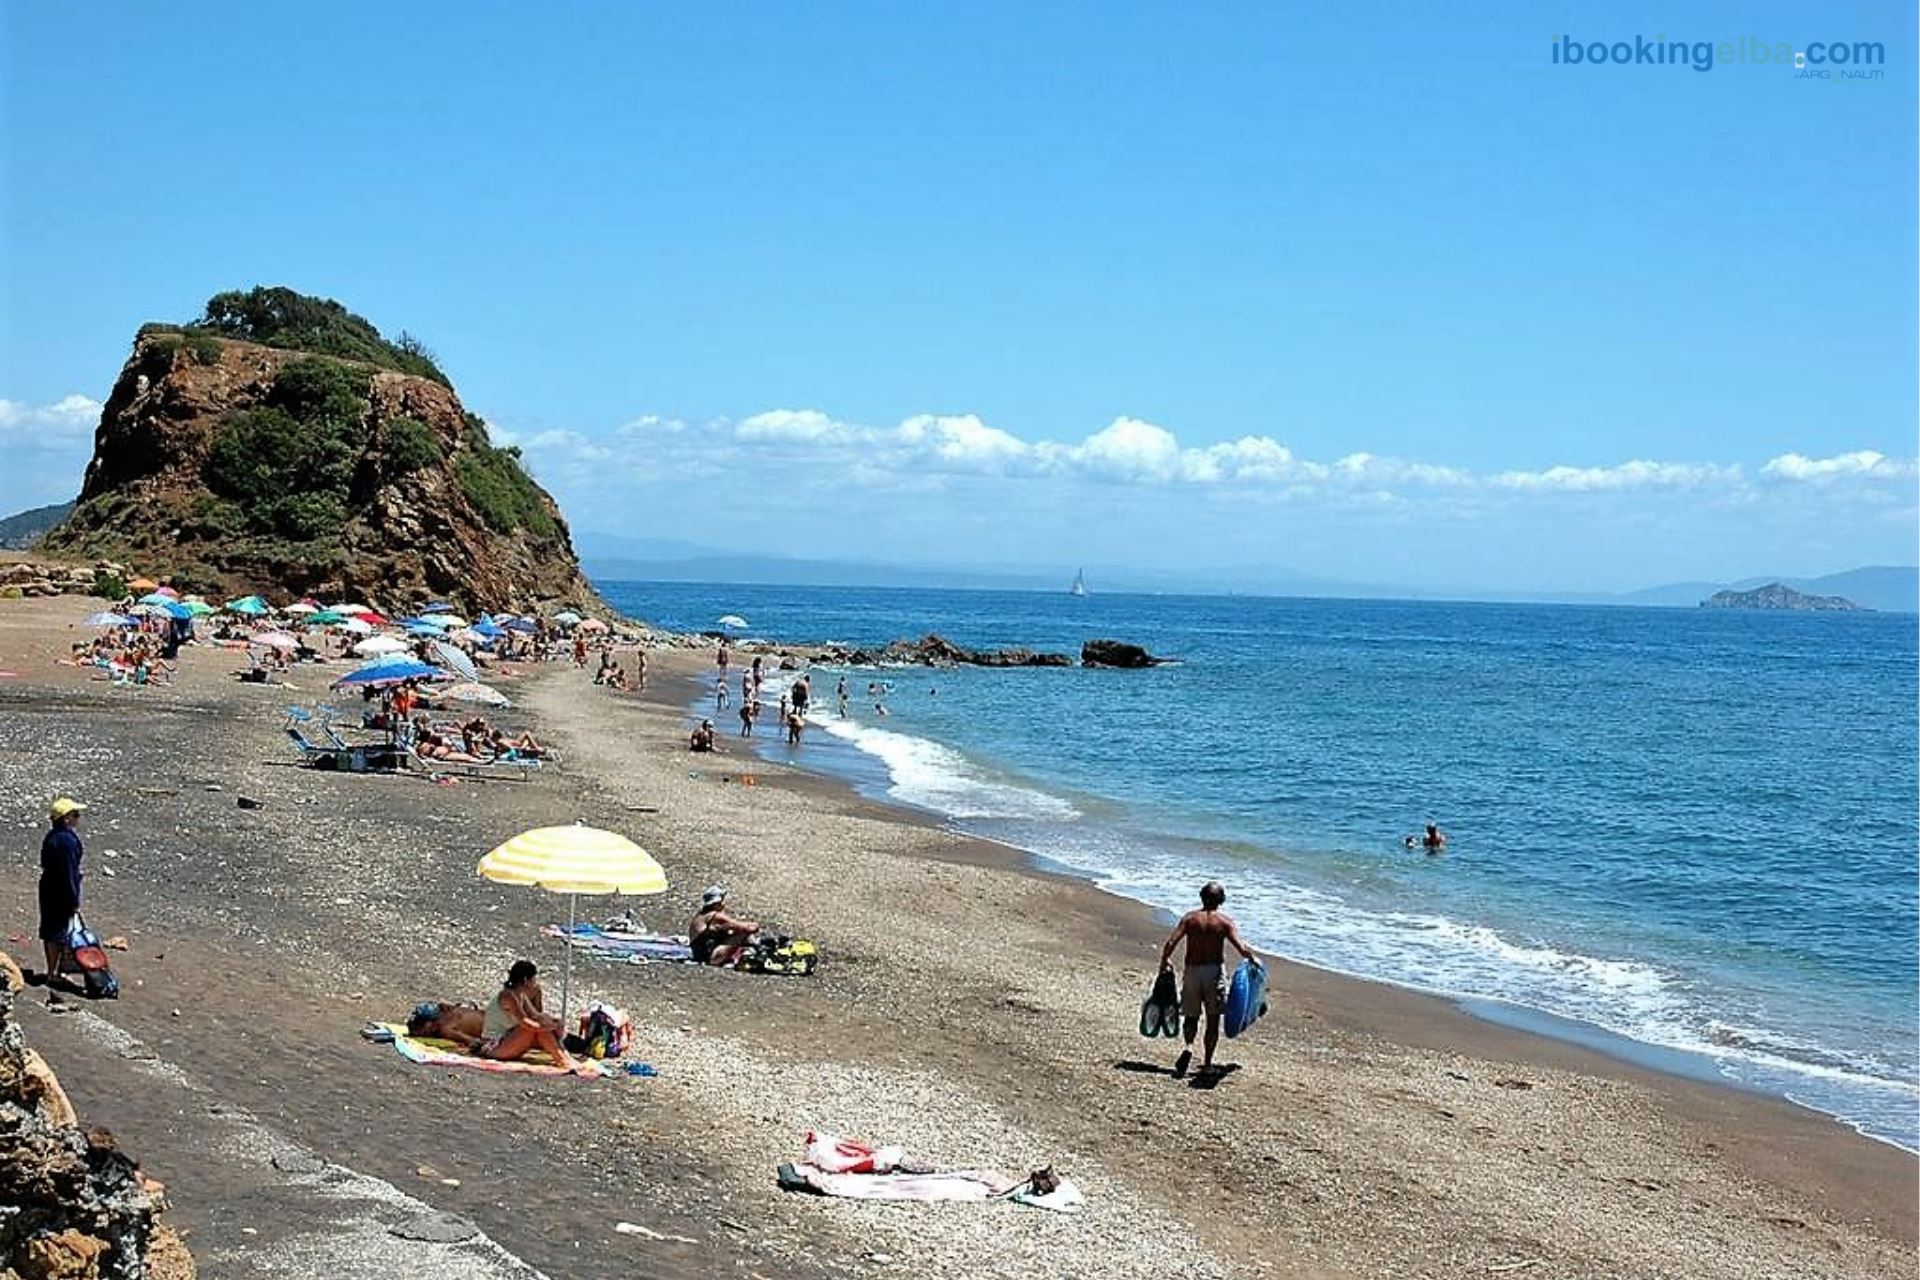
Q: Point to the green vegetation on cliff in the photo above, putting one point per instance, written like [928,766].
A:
[280,317]
[498,486]
[286,466]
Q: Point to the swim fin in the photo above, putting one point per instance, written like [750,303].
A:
[1160,1013]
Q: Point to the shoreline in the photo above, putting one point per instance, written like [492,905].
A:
[970,1006]
[1432,1019]
[1693,1067]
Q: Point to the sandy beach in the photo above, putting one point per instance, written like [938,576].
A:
[977,1011]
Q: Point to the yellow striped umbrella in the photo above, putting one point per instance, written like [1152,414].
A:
[574,860]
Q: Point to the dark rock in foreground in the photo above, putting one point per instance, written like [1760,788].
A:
[1116,653]
[1777,595]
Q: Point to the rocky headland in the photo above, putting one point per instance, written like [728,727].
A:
[279,444]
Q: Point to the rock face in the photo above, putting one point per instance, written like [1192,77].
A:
[1116,653]
[938,651]
[1778,596]
[71,1203]
[233,467]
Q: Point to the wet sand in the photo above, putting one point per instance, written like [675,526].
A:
[971,1008]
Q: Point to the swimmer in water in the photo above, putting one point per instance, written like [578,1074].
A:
[1435,840]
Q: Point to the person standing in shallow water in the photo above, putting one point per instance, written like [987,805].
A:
[1203,987]
[60,855]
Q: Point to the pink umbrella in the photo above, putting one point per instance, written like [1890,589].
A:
[274,640]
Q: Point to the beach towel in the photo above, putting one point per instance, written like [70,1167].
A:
[1064,1198]
[444,1053]
[974,1185]
[622,946]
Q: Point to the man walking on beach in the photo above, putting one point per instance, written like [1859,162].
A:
[1203,987]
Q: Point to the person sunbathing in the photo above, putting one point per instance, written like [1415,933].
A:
[526,746]
[515,1023]
[430,745]
[714,936]
[458,1022]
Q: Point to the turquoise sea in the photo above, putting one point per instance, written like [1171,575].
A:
[1685,832]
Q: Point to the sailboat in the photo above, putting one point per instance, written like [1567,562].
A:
[1079,587]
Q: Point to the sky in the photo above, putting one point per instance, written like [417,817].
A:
[1373,291]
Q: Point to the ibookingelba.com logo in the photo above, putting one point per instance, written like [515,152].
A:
[1812,59]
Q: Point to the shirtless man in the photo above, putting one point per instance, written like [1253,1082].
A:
[1204,985]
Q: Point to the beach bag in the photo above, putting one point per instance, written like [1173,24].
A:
[90,959]
[605,1031]
[795,957]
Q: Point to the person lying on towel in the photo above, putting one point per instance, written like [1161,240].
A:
[457,1022]
[715,936]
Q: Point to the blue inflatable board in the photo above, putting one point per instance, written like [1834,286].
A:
[1246,997]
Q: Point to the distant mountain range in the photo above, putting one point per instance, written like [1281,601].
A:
[612,557]
[24,528]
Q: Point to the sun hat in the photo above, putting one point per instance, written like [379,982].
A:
[63,806]
[716,893]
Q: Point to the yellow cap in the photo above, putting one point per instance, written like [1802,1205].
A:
[63,806]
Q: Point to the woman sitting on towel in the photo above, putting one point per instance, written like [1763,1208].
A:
[515,1023]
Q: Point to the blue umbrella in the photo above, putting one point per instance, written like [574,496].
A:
[156,597]
[489,628]
[390,673]
[173,609]
[524,625]
[436,606]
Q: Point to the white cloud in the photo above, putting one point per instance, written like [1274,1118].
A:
[1132,452]
[1865,463]
[66,419]
[1638,474]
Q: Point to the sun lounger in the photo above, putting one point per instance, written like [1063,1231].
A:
[338,754]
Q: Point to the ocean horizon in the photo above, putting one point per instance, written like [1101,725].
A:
[1688,831]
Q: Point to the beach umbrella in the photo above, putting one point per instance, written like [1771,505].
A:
[593,624]
[176,610]
[198,608]
[353,608]
[142,584]
[567,617]
[489,629]
[108,618]
[378,645]
[453,660]
[156,597]
[732,620]
[302,608]
[171,593]
[525,626]
[371,618]
[326,618]
[146,610]
[437,606]
[274,640]
[473,691]
[574,860]
[390,672]
[251,606]
[358,626]
[443,620]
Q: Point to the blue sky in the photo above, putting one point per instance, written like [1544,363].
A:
[992,284]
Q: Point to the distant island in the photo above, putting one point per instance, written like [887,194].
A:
[1777,595]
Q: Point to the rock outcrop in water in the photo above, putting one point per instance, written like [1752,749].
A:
[938,651]
[1777,595]
[281,445]
[1116,653]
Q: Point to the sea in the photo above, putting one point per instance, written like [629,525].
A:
[1686,837]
